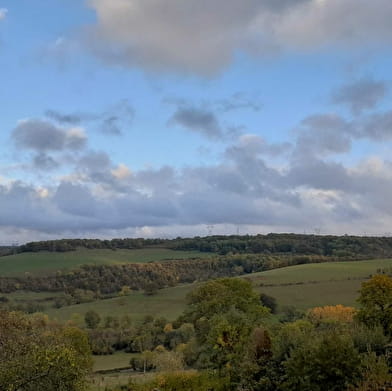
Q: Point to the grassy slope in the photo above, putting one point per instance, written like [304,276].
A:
[168,302]
[49,262]
[323,284]
[332,287]
[322,271]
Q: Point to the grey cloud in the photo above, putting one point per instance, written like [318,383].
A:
[255,183]
[280,5]
[68,119]
[43,161]
[203,36]
[316,173]
[118,117]
[111,121]
[378,127]
[95,160]
[75,200]
[160,182]
[251,145]
[43,136]
[96,167]
[364,94]
[238,101]
[241,190]
[323,134]
[198,120]
[163,34]
[110,126]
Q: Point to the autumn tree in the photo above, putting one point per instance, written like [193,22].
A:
[331,313]
[376,302]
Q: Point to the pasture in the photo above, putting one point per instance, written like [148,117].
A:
[45,262]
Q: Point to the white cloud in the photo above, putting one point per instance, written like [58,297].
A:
[121,171]
[3,13]
[315,23]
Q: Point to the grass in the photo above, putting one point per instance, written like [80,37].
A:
[315,295]
[31,296]
[45,262]
[108,381]
[112,361]
[118,360]
[100,382]
[169,303]
[321,271]
[320,284]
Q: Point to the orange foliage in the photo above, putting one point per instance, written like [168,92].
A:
[337,313]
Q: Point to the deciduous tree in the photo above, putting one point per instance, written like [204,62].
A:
[376,302]
[36,355]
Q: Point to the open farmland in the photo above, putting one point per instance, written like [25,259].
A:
[306,286]
[322,271]
[45,262]
[302,286]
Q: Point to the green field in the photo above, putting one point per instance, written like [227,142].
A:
[112,361]
[320,284]
[322,271]
[169,303]
[45,262]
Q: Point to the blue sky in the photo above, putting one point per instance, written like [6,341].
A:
[159,117]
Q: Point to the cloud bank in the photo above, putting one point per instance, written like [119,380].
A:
[276,186]
[203,37]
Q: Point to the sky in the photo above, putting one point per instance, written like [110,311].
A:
[166,118]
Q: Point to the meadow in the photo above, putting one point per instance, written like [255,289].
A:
[46,262]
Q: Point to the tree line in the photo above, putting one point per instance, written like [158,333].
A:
[327,245]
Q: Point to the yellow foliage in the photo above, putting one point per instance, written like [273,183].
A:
[337,313]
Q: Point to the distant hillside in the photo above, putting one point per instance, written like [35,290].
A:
[108,278]
[302,286]
[46,262]
[336,246]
